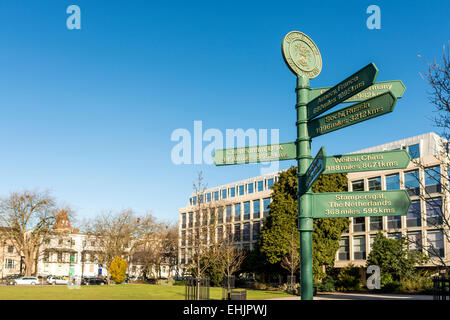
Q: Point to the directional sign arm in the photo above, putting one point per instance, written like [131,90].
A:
[357,82]
[348,116]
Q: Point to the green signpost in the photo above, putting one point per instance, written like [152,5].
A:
[271,152]
[360,204]
[348,116]
[372,161]
[373,99]
[357,82]
[396,87]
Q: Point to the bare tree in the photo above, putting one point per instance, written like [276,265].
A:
[116,234]
[291,261]
[26,219]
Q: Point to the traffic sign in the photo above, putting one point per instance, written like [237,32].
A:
[373,161]
[315,168]
[256,154]
[360,204]
[342,91]
[396,87]
[356,113]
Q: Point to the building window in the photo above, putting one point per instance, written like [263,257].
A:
[256,209]
[394,222]
[237,232]
[46,256]
[433,179]
[219,234]
[358,185]
[435,241]
[256,230]
[414,151]
[412,182]
[10,249]
[266,203]
[183,238]
[191,220]
[237,212]
[246,235]
[374,183]
[260,185]
[359,248]
[233,192]
[241,190]
[343,253]
[250,187]
[216,195]
[208,197]
[194,200]
[72,258]
[60,257]
[269,183]
[371,241]
[359,224]
[224,193]
[247,210]
[413,218]
[394,235]
[393,182]
[183,220]
[9,264]
[220,218]
[376,223]
[414,240]
[229,213]
[434,211]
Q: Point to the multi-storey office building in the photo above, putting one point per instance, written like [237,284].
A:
[245,205]
[426,224]
[241,207]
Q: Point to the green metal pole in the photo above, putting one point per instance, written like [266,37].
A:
[304,159]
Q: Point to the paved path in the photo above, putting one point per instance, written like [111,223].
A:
[363,296]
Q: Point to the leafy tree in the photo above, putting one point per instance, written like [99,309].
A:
[281,223]
[118,269]
[394,258]
[327,231]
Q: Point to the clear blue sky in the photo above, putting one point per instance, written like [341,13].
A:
[89,113]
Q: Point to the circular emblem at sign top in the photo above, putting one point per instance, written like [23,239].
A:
[301,54]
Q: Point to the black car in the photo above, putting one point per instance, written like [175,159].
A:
[10,279]
[93,281]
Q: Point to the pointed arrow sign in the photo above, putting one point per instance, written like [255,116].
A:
[357,82]
[360,204]
[315,168]
[256,154]
[395,86]
[372,161]
[356,113]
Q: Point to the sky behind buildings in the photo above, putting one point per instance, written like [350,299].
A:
[88,114]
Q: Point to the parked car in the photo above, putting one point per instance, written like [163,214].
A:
[93,281]
[57,280]
[10,280]
[27,280]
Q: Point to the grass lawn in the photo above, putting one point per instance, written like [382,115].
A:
[117,292]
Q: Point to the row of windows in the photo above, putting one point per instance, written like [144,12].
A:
[239,211]
[411,181]
[435,242]
[231,192]
[239,232]
[433,216]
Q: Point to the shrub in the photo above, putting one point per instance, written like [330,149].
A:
[327,285]
[416,284]
[349,278]
[118,269]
